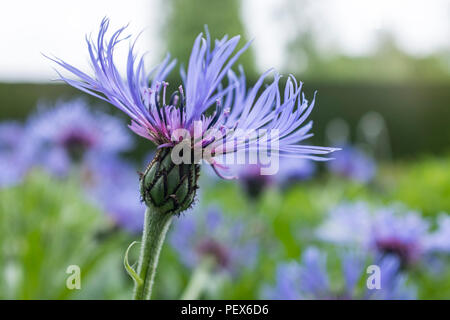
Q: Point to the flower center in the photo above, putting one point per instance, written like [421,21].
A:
[254,182]
[211,247]
[406,252]
[76,143]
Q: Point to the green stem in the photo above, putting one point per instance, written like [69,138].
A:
[198,279]
[155,228]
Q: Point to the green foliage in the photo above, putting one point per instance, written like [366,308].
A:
[388,65]
[18,100]
[45,226]
[423,185]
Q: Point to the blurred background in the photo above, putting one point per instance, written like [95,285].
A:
[382,72]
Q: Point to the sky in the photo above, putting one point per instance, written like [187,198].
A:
[352,27]
[30,28]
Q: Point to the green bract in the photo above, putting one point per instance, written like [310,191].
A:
[167,187]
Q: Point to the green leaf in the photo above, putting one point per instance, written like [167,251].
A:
[133,274]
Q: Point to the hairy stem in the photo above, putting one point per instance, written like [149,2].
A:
[155,229]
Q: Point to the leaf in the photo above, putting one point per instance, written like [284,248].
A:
[133,274]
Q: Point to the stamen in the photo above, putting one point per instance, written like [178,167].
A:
[165,84]
[182,104]
[183,98]
[149,93]
[175,100]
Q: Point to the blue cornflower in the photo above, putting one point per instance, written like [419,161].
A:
[13,161]
[110,183]
[209,117]
[385,230]
[353,164]
[202,103]
[394,284]
[253,182]
[213,235]
[294,170]
[291,170]
[310,279]
[70,133]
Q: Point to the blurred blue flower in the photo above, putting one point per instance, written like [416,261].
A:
[347,224]
[287,283]
[291,170]
[294,170]
[13,163]
[157,119]
[310,279]
[251,179]
[386,230]
[354,164]
[394,284]
[60,138]
[112,185]
[211,234]
[70,133]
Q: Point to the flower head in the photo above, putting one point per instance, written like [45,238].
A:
[251,179]
[13,162]
[222,116]
[383,231]
[310,279]
[293,170]
[70,133]
[353,164]
[212,235]
[110,184]
[393,282]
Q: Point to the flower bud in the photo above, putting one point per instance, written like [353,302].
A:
[167,187]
